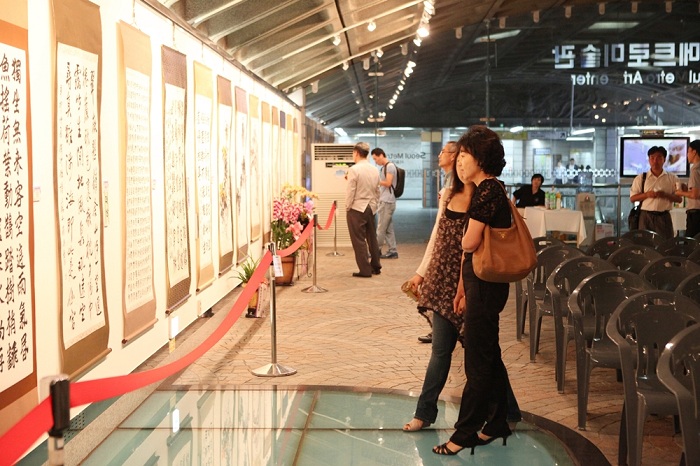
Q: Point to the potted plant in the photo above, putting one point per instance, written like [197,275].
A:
[246,271]
[291,212]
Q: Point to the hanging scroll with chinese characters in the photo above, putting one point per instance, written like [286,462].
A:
[296,144]
[276,185]
[177,243]
[84,320]
[203,99]
[266,169]
[241,184]
[254,175]
[139,301]
[225,120]
[17,320]
[289,159]
[284,167]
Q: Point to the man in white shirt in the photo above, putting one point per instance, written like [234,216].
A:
[657,195]
[361,202]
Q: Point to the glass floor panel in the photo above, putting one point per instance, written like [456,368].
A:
[304,427]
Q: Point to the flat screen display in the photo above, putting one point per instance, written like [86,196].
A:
[634,159]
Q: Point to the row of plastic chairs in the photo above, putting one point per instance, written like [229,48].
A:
[590,289]
[677,246]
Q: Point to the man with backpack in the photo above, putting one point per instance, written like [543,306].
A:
[387,203]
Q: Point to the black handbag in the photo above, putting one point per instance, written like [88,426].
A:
[633,218]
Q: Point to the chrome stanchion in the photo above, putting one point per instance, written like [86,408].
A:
[314,288]
[273,369]
[335,233]
[59,390]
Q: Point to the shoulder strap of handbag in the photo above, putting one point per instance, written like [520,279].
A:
[644,180]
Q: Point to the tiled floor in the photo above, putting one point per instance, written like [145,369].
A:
[361,334]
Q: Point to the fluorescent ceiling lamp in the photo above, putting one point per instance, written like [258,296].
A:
[516,129]
[336,40]
[608,25]
[423,31]
[578,138]
[497,36]
[578,132]
[340,132]
[417,41]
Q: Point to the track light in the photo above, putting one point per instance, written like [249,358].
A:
[365,63]
[601,8]
[634,6]
[380,52]
[404,49]
[371,26]
[423,31]
[458,32]
[314,87]
[345,66]
[502,22]
[669,6]
[536,16]
[336,40]
[567,11]
[417,41]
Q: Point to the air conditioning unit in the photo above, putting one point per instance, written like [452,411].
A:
[330,162]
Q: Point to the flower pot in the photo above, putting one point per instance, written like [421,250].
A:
[252,303]
[287,277]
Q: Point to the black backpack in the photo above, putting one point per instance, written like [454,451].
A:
[400,180]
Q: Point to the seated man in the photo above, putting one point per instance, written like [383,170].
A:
[529,195]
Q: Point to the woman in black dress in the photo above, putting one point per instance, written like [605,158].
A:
[482,413]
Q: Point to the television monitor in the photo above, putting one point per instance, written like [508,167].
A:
[634,159]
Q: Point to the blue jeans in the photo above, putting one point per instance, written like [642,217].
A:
[385,226]
[444,340]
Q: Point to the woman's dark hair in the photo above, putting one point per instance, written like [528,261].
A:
[485,146]
[695,145]
[457,184]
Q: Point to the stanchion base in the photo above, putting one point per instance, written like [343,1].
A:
[335,253]
[273,370]
[314,289]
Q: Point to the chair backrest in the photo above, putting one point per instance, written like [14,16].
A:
[644,237]
[690,287]
[605,246]
[642,325]
[679,370]
[633,258]
[567,275]
[695,255]
[542,242]
[678,246]
[548,259]
[599,294]
[667,273]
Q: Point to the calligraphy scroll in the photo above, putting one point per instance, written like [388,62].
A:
[289,159]
[139,301]
[266,170]
[254,175]
[241,185]
[203,98]
[225,120]
[296,148]
[17,319]
[84,332]
[276,185]
[177,243]
[283,165]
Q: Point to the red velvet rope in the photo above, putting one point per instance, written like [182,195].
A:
[39,420]
[331,217]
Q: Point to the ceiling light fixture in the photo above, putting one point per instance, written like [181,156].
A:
[336,40]
[634,6]
[380,52]
[669,6]
[458,32]
[345,66]
[601,8]
[314,87]
[567,11]
[502,22]
[404,49]
[371,26]
[365,63]
[429,7]
[536,16]
[516,129]
[423,30]
[417,41]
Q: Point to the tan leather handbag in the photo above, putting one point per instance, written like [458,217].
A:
[505,254]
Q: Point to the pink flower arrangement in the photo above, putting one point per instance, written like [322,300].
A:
[290,216]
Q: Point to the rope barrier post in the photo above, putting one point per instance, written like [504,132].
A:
[273,369]
[314,288]
[59,390]
[335,234]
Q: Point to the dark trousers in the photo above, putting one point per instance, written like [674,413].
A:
[484,398]
[692,223]
[363,235]
[659,222]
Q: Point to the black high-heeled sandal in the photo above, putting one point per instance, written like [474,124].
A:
[504,434]
[443,449]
